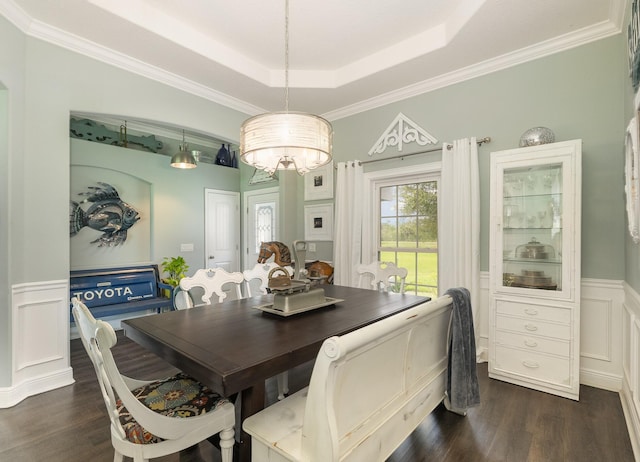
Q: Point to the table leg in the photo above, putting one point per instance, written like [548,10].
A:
[252,401]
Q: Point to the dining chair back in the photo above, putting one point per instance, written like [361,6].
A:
[212,281]
[382,276]
[147,420]
[256,279]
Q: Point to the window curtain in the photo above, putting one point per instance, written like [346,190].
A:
[459,221]
[347,241]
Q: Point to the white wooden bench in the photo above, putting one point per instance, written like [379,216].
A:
[369,390]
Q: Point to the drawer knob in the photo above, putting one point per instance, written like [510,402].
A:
[531,343]
[531,327]
[531,311]
[530,364]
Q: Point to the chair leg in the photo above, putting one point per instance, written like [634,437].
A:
[117,457]
[226,444]
[283,385]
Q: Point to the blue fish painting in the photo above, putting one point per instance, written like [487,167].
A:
[108,214]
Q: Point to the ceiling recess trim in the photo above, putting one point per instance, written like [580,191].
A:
[575,39]
[74,43]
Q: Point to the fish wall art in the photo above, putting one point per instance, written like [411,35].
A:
[107,214]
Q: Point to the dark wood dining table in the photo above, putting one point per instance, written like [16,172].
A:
[233,346]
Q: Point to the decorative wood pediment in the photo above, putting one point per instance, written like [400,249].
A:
[402,131]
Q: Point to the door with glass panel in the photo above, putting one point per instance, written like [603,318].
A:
[260,222]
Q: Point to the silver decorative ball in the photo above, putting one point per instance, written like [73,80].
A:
[537,135]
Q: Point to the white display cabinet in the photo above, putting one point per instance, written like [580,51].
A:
[534,332]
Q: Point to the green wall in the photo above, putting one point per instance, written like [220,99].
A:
[177,198]
[59,82]
[44,85]
[578,93]
[12,76]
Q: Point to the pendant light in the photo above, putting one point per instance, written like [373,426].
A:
[183,158]
[286,140]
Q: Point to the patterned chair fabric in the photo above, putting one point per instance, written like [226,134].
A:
[179,396]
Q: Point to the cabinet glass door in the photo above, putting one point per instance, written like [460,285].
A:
[532,227]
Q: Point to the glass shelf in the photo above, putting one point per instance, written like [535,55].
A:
[532,227]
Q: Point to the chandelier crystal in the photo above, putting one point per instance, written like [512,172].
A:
[286,140]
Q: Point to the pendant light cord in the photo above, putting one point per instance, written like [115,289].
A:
[286,55]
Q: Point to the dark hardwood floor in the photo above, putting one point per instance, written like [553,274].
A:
[512,423]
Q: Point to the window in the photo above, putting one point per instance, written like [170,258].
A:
[409,233]
[404,218]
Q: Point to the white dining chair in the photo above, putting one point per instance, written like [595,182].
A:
[382,276]
[209,281]
[258,277]
[260,274]
[152,419]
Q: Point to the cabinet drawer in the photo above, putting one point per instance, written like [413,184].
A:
[527,310]
[533,343]
[534,365]
[533,327]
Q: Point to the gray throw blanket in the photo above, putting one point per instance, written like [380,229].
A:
[462,391]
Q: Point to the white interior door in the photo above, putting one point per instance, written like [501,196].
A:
[260,222]
[222,233]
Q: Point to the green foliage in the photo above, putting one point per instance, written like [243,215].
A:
[175,267]
[417,214]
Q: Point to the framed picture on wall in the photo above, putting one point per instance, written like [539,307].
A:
[318,183]
[318,222]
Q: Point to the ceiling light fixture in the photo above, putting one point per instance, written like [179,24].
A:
[286,140]
[183,158]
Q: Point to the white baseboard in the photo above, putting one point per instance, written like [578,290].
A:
[600,379]
[632,418]
[10,396]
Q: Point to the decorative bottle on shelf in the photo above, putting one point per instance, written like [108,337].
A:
[234,160]
[223,156]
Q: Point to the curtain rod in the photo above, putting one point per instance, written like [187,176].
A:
[486,139]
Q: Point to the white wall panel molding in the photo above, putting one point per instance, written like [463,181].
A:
[482,329]
[600,317]
[40,340]
[630,394]
[601,308]
[632,417]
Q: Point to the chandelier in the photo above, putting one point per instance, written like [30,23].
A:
[286,140]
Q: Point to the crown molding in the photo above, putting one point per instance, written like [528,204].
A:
[16,15]
[93,50]
[53,35]
[565,42]
[56,36]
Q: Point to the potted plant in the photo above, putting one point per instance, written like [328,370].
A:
[175,267]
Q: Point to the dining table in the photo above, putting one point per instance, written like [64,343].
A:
[234,346]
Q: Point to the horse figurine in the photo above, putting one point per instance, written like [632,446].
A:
[321,270]
[281,251]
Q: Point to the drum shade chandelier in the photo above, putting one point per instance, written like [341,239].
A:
[183,158]
[286,140]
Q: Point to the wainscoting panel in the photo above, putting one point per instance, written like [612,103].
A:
[40,340]
[601,307]
[482,329]
[630,394]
